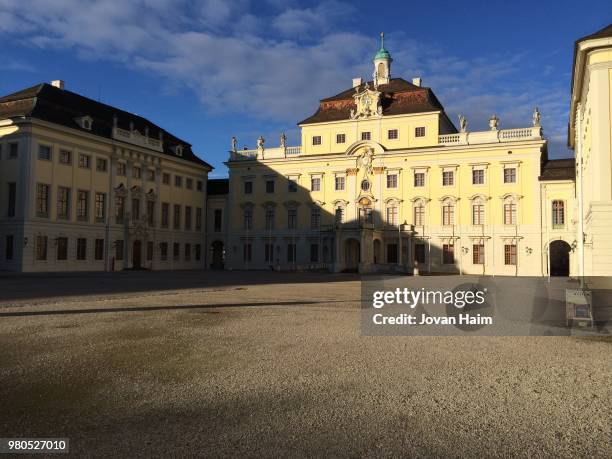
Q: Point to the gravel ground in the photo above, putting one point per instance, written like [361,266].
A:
[269,364]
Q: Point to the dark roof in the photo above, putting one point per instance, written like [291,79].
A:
[60,106]
[217,187]
[398,97]
[558,169]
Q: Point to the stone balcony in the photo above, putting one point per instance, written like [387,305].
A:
[265,153]
[136,138]
[493,136]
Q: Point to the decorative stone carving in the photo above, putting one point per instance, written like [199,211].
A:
[379,170]
[283,140]
[234,143]
[352,171]
[462,123]
[494,123]
[260,143]
[536,117]
[367,103]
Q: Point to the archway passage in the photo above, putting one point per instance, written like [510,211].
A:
[218,255]
[559,258]
[352,254]
[137,255]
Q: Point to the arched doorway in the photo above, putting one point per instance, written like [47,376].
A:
[559,258]
[137,255]
[352,254]
[218,255]
[377,251]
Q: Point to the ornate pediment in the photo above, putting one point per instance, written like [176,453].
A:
[367,103]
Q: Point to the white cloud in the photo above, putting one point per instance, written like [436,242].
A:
[275,66]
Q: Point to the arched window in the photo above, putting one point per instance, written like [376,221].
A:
[315,217]
[448,213]
[509,211]
[339,215]
[248,218]
[558,213]
[270,217]
[392,212]
[478,212]
[419,213]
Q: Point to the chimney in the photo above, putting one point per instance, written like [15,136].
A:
[58,84]
[357,82]
[417,81]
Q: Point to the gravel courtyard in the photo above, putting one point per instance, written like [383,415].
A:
[270,364]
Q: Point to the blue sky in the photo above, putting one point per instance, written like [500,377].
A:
[207,70]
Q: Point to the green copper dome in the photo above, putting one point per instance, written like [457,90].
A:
[382,52]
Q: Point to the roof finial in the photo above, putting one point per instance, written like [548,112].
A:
[382,40]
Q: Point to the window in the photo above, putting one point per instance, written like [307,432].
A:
[339,215]
[199,187]
[81,248]
[478,177]
[198,252]
[558,214]
[8,247]
[392,253]
[292,186]
[12,199]
[510,254]
[13,150]
[291,253]
[365,185]
[178,181]
[314,253]
[391,180]
[365,215]
[62,248]
[119,250]
[187,252]
[119,209]
[292,218]
[135,209]
[218,220]
[340,138]
[99,249]
[42,200]
[188,218]
[316,140]
[509,213]
[176,251]
[340,183]
[448,178]
[270,218]
[419,253]
[448,254]
[44,152]
[510,175]
[84,161]
[166,178]
[315,184]
[189,183]
[269,253]
[419,179]
[366,135]
[100,210]
[315,218]
[248,187]
[478,254]
[101,164]
[198,223]
[121,169]
[165,214]
[149,250]
[419,131]
[163,251]
[478,214]
[65,157]
[392,134]
[392,215]
[419,214]
[177,216]
[151,213]
[248,219]
[448,214]
[269,186]
[247,252]
[150,175]
[41,248]
[136,172]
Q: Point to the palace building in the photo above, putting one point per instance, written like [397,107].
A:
[87,186]
[384,182]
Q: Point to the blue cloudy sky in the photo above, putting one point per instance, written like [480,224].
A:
[209,69]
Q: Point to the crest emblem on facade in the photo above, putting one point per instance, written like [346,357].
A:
[367,103]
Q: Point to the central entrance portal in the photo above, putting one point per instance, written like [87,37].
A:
[352,254]
[137,255]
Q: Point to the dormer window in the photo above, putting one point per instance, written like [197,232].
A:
[85,122]
[178,150]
